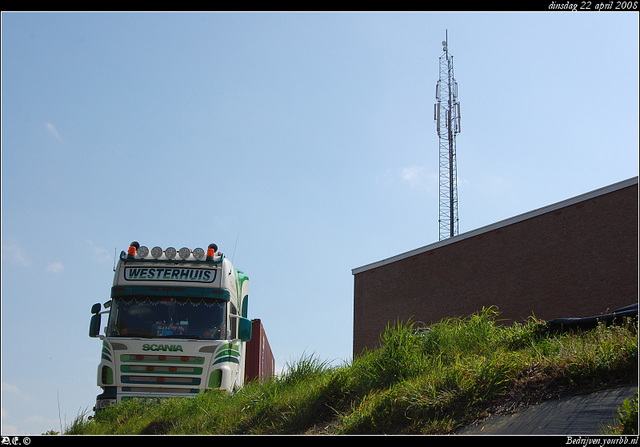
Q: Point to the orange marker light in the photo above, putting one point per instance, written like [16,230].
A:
[133,246]
[211,251]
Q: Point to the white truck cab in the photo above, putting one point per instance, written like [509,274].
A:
[177,325]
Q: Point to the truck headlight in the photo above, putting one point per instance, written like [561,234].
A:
[170,252]
[101,404]
[143,251]
[184,253]
[156,252]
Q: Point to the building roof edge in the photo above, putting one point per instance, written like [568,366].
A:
[503,223]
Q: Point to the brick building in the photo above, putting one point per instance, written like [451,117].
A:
[575,258]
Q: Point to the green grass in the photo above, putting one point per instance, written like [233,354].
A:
[463,370]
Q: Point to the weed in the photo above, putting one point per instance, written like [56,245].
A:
[627,423]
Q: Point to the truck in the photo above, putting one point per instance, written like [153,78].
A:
[177,326]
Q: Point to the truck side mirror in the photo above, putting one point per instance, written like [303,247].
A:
[94,325]
[245,305]
[244,329]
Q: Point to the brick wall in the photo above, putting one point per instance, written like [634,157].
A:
[578,259]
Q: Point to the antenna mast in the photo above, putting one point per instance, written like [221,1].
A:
[446,113]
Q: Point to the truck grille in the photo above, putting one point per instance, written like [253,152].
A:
[161,370]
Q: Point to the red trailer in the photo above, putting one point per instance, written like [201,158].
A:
[260,361]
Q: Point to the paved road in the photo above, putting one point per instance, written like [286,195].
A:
[575,415]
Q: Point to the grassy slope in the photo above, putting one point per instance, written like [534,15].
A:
[462,371]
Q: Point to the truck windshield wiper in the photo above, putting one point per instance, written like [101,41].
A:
[193,337]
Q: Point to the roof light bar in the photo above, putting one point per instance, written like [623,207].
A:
[137,251]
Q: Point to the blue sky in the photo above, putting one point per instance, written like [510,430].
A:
[308,138]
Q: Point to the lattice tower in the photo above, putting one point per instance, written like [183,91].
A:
[446,113]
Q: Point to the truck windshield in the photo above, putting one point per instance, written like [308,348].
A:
[170,317]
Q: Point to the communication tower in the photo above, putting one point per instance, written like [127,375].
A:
[446,113]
